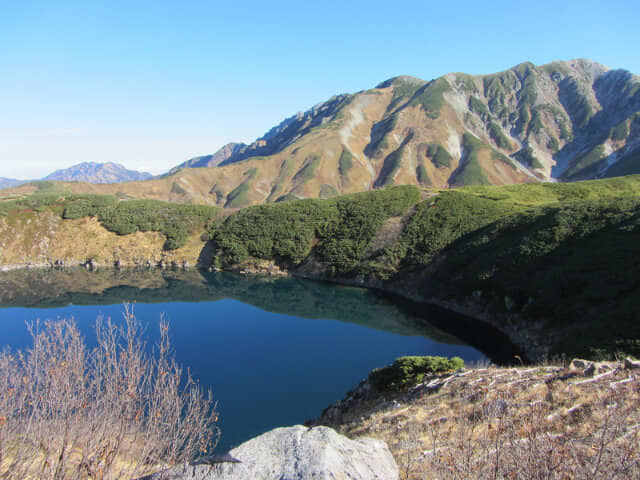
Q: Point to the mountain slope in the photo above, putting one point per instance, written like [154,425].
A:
[98,173]
[10,182]
[213,160]
[563,121]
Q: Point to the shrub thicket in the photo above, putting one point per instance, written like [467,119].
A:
[406,372]
[114,411]
[343,228]
[174,220]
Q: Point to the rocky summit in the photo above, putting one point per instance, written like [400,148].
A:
[294,453]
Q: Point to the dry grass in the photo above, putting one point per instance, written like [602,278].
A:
[505,423]
[113,412]
[42,238]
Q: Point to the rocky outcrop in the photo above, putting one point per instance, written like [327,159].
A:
[292,453]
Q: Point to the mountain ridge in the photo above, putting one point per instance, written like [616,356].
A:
[94,172]
[562,121]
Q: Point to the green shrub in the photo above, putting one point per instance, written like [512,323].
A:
[346,161]
[406,372]
[476,105]
[422,175]
[471,172]
[497,135]
[620,131]
[86,205]
[587,165]
[437,223]
[174,220]
[308,171]
[239,196]
[431,98]
[343,228]
[527,157]
[439,155]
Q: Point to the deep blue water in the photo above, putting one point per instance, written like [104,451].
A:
[266,368]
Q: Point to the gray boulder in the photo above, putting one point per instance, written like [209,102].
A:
[295,453]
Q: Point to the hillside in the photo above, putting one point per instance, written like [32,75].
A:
[563,121]
[553,266]
[482,422]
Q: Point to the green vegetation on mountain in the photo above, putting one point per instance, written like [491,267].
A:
[431,98]
[390,167]
[239,196]
[375,138]
[476,105]
[527,157]
[620,131]
[587,164]
[629,164]
[173,220]
[340,230]
[345,162]
[308,171]
[496,134]
[423,175]
[439,222]
[562,255]
[439,155]
[572,265]
[471,172]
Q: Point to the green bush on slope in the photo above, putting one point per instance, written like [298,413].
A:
[406,372]
[174,220]
[343,228]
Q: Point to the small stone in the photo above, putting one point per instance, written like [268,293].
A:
[579,364]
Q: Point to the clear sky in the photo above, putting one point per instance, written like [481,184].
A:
[151,83]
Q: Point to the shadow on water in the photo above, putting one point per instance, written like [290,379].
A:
[482,336]
[37,288]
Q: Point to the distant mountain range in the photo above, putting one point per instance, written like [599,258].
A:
[10,182]
[98,173]
[91,172]
[563,121]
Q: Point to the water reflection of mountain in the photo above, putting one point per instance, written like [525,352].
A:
[37,288]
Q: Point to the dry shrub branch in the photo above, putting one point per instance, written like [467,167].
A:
[541,422]
[119,410]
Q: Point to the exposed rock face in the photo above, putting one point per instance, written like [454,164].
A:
[294,453]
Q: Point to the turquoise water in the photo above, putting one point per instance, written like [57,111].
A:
[275,352]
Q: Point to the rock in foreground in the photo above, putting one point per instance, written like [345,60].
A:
[294,453]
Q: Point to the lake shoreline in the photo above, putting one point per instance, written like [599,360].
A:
[526,348]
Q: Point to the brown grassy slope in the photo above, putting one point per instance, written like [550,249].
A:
[44,238]
[537,422]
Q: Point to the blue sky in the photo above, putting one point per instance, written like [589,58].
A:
[150,84]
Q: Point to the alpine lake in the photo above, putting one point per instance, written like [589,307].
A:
[275,351]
